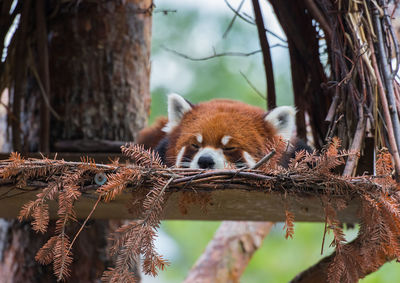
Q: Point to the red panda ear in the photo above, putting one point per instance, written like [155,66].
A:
[283,119]
[177,107]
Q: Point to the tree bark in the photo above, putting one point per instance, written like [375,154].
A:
[229,252]
[102,53]
[98,58]
[307,71]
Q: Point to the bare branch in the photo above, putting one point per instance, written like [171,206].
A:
[265,159]
[165,11]
[229,252]
[214,55]
[253,22]
[388,78]
[385,108]
[393,36]
[269,71]
[252,86]
[233,20]
[311,5]
[355,146]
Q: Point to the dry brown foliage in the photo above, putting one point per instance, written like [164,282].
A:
[289,224]
[307,172]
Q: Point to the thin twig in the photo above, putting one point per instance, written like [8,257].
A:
[333,107]
[356,144]
[323,237]
[252,86]
[43,92]
[233,19]
[237,13]
[214,55]
[164,11]
[265,159]
[253,23]
[84,223]
[252,175]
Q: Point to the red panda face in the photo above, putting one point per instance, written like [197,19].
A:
[221,133]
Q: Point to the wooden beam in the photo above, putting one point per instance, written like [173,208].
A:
[223,204]
[226,194]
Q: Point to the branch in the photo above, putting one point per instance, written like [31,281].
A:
[229,252]
[319,272]
[233,19]
[394,38]
[253,23]
[229,188]
[165,11]
[355,146]
[264,160]
[313,8]
[146,176]
[269,71]
[215,55]
[252,86]
[385,107]
[387,76]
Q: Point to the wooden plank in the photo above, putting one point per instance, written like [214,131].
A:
[234,201]
[224,204]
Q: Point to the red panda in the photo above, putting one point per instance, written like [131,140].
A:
[216,134]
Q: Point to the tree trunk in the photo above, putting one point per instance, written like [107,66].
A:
[98,75]
[101,53]
[307,70]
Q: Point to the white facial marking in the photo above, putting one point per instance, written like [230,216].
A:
[225,140]
[199,138]
[217,156]
[179,157]
[249,159]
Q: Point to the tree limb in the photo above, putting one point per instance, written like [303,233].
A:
[269,71]
[252,22]
[229,252]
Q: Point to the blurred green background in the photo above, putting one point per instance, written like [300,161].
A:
[196,29]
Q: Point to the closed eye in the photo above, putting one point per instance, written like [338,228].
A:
[229,148]
[195,146]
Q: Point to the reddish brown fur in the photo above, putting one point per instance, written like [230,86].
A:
[217,118]
[150,137]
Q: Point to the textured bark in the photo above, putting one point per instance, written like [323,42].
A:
[20,244]
[98,60]
[306,68]
[229,252]
[104,90]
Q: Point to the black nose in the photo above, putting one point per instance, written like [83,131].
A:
[205,162]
